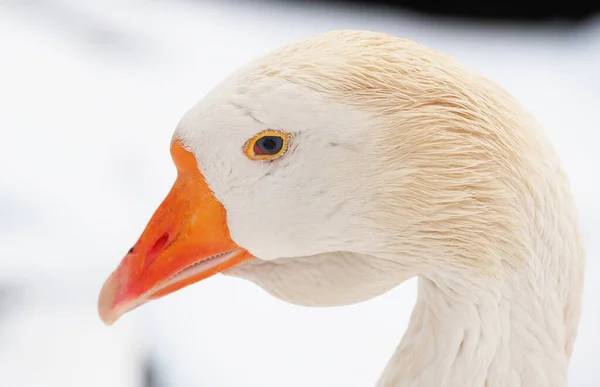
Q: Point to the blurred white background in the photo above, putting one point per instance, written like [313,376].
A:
[90,93]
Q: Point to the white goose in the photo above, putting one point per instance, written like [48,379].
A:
[337,167]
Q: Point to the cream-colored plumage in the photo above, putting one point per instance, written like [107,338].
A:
[403,163]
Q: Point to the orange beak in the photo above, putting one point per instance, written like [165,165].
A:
[187,240]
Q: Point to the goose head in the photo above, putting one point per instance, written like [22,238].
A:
[335,168]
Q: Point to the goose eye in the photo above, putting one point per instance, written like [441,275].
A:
[267,145]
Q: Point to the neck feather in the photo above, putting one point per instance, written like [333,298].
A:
[492,230]
[519,333]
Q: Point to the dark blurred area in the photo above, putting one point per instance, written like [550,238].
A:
[565,11]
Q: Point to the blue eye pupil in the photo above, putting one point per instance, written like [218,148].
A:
[270,145]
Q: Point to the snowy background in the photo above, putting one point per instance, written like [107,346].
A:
[90,93]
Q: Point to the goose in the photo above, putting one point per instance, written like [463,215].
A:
[338,166]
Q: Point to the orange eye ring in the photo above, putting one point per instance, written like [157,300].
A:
[267,145]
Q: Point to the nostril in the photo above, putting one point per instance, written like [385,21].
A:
[157,248]
[130,251]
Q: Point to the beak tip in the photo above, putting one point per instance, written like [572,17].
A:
[106,300]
